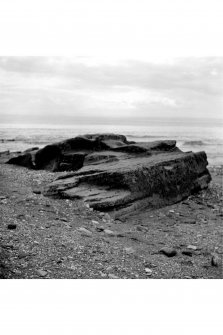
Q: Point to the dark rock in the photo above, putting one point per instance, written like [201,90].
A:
[100,229]
[22,254]
[215,260]
[36,191]
[187,253]
[31,149]
[189,221]
[25,159]
[117,176]
[169,252]
[12,226]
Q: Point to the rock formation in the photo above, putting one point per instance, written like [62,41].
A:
[114,175]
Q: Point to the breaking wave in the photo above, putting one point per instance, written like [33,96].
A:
[195,143]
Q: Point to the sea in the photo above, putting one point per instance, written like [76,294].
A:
[191,135]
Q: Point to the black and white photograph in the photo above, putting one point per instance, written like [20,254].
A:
[111,170]
[111,137]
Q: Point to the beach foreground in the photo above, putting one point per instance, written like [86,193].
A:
[42,237]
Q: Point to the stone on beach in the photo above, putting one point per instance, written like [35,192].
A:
[113,175]
[12,226]
[169,252]
[85,231]
[215,260]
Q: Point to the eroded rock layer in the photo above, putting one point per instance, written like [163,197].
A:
[115,175]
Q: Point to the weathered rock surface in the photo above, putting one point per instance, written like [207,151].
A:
[115,175]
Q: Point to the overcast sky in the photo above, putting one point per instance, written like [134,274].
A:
[126,59]
[60,87]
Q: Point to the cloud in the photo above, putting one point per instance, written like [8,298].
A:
[64,86]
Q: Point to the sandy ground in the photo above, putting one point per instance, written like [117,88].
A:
[47,238]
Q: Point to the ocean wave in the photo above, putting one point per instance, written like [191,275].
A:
[195,143]
[142,136]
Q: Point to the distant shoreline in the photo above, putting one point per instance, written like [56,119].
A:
[23,122]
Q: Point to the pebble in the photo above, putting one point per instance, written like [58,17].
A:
[129,250]
[187,253]
[95,222]
[107,216]
[190,221]
[36,191]
[169,252]
[12,226]
[215,261]
[148,271]
[41,273]
[22,254]
[103,275]
[109,232]
[192,247]
[99,229]
[73,267]
[84,231]
[141,228]
[111,276]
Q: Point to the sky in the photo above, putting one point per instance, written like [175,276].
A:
[64,60]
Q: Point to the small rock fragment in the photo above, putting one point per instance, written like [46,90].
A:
[22,254]
[215,261]
[169,252]
[41,273]
[141,228]
[187,253]
[99,229]
[109,232]
[189,221]
[148,271]
[107,217]
[129,250]
[192,247]
[95,222]
[103,275]
[73,267]
[111,276]
[12,226]
[36,191]
[84,231]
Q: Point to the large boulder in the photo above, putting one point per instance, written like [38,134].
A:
[68,155]
[117,176]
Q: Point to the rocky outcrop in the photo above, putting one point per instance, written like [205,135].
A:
[114,175]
